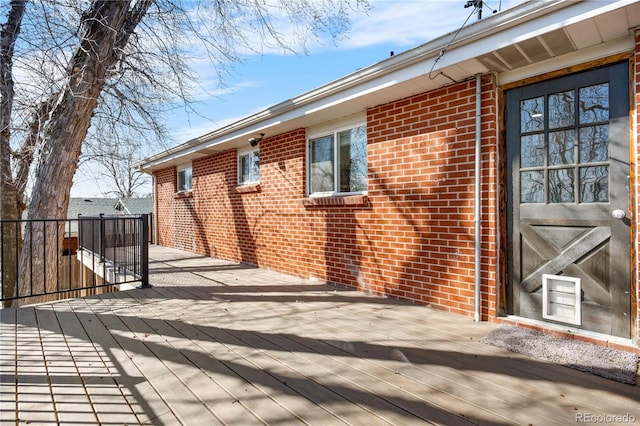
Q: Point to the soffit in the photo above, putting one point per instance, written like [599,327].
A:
[600,29]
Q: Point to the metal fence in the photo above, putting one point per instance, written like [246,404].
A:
[49,259]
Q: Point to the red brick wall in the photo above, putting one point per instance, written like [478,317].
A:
[421,177]
[267,226]
[414,239]
[165,182]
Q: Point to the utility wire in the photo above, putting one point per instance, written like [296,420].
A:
[442,52]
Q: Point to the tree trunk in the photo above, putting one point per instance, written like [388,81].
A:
[23,159]
[64,134]
[8,191]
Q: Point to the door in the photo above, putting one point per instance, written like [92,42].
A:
[568,200]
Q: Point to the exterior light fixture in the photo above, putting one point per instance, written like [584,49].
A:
[256,141]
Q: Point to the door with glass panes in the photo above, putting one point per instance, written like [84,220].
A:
[568,200]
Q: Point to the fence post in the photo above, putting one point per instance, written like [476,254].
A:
[144,251]
[101,237]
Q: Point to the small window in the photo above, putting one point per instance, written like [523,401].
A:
[248,167]
[184,178]
[338,162]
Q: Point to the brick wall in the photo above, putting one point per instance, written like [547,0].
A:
[165,182]
[421,177]
[414,237]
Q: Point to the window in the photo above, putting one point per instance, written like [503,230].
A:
[248,167]
[184,178]
[564,140]
[338,162]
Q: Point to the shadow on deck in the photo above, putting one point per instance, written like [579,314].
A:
[220,343]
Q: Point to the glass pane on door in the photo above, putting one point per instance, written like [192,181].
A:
[562,109]
[594,103]
[554,154]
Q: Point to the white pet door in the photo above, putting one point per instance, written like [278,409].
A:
[561,299]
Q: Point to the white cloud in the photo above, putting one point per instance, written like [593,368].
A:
[186,133]
[210,87]
[411,22]
[397,23]
[402,23]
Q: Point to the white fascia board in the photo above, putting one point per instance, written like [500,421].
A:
[166,157]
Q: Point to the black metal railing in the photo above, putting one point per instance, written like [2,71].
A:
[46,257]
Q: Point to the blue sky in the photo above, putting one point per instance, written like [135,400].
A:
[262,81]
[265,80]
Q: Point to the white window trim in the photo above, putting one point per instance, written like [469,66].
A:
[332,129]
[182,168]
[241,153]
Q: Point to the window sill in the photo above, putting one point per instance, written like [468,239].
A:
[337,201]
[183,194]
[248,188]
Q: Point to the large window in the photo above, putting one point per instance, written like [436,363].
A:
[248,167]
[184,178]
[338,162]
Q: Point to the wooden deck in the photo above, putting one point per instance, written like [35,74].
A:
[220,343]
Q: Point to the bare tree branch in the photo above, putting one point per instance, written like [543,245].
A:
[8,192]
[90,71]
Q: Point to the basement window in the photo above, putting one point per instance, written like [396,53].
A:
[185,174]
[561,297]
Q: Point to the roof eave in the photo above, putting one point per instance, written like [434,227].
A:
[220,138]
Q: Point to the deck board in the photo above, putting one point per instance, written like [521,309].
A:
[8,388]
[141,398]
[215,342]
[261,373]
[501,367]
[373,360]
[181,340]
[156,362]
